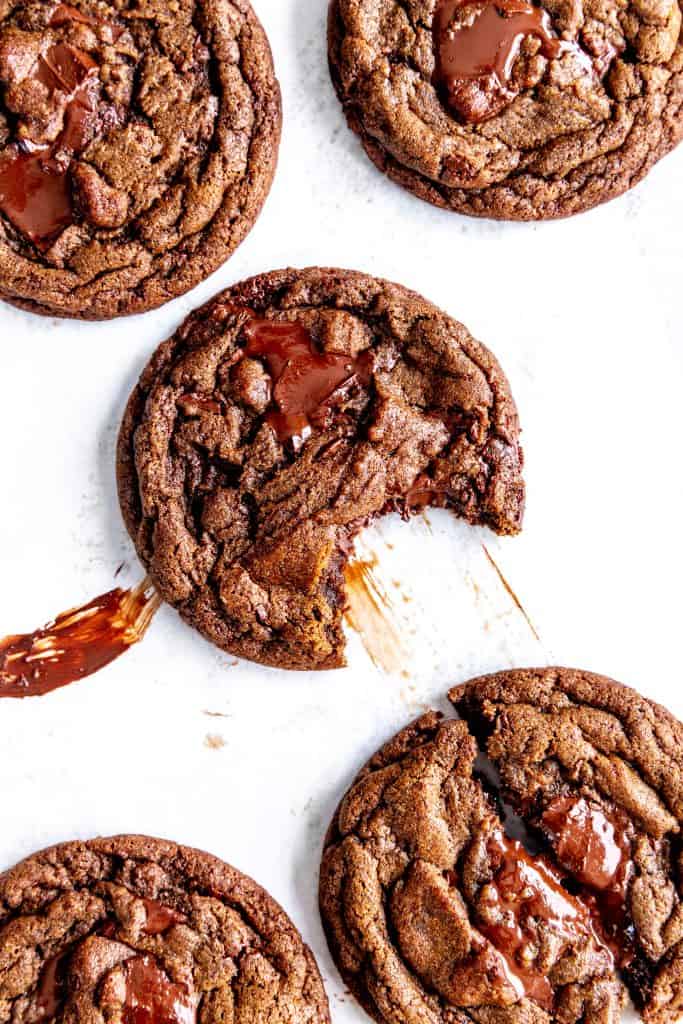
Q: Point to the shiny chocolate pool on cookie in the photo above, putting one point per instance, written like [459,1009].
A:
[137,144]
[518,864]
[511,109]
[133,930]
[279,420]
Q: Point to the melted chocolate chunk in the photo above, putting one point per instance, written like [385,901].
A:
[305,380]
[596,849]
[424,494]
[50,994]
[35,188]
[587,842]
[150,998]
[527,892]
[65,13]
[76,643]
[474,61]
[160,918]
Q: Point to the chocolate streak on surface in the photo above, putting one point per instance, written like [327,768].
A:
[77,643]
[518,604]
[369,613]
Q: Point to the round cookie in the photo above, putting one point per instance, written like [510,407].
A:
[280,419]
[505,109]
[138,142]
[436,912]
[142,931]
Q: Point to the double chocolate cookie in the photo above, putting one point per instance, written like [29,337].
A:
[436,911]
[132,930]
[509,108]
[138,141]
[281,418]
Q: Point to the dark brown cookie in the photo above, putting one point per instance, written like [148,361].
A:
[281,418]
[506,109]
[138,143]
[135,930]
[436,913]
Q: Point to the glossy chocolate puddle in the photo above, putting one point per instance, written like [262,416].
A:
[579,850]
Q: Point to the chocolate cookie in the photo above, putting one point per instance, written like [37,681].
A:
[281,418]
[133,930]
[436,912]
[138,143]
[507,108]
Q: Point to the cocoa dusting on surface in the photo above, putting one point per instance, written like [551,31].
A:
[282,418]
[76,643]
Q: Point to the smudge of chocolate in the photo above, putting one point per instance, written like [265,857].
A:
[77,643]
[369,612]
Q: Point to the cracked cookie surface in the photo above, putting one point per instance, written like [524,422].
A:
[435,912]
[134,930]
[138,142]
[504,109]
[284,416]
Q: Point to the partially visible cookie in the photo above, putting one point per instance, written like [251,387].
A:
[436,913]
[284,416]
[133,930]
[578,752]
[138,142]
[507,108]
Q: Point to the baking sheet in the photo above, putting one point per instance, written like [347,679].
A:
[177,739]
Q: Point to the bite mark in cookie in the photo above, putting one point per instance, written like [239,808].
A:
[283,417]
[434,913]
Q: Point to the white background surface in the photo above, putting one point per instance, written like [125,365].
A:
[585,317]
